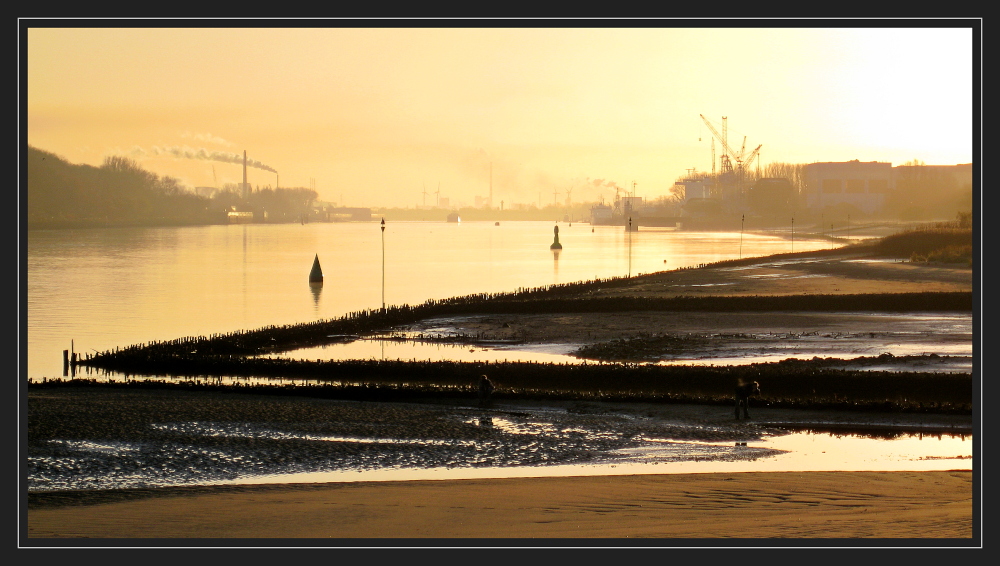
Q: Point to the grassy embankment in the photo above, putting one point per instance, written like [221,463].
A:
[940,244]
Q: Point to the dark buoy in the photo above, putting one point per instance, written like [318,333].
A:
[316,275]
[555,244]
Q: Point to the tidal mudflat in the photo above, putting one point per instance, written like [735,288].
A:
[108,436]
[100,438]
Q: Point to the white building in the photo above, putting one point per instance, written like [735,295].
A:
[862,185]
[700,186]
[600,215]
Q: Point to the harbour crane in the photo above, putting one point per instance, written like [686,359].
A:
[742,161]
[729,154]
[750,158]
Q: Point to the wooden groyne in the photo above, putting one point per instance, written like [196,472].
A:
[284,338]
[800,384]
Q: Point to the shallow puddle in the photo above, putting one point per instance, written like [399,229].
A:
[710,339]
[795,452]
[513,442]
[954,350]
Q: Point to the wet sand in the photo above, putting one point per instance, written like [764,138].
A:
[800,274]
[671,507]
[891,505]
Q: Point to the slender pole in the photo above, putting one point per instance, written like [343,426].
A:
[630,246]
[383,264]
[742,218]
[793,234]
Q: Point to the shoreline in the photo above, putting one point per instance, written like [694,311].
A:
[664,510]
[143,438]
[842,280]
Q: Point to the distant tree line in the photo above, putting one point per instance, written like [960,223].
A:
[925,192]
[920,192]
[122,193]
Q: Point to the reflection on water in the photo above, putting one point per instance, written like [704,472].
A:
[719,350]
[116,287]
[527,446]
[409,350]
[317,290]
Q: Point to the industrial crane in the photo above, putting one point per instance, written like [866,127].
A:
[730,155]
[750,158]
[741,159]
[727,151]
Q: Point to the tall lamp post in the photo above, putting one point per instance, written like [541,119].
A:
[383,264]
[630,246]
[742,218]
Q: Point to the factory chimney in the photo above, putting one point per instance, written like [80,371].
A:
[246,188]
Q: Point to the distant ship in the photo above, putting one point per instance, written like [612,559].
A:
[600,215]
[454,217]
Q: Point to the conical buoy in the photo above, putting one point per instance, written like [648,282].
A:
[316,275]
[556,245]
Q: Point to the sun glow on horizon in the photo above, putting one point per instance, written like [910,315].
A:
[376,114]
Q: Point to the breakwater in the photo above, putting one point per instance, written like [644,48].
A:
[547,301]
[193,359]
[789,384]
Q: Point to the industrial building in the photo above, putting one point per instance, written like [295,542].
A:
[864,185]
[870,187]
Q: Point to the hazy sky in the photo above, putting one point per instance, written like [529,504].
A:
[377,116]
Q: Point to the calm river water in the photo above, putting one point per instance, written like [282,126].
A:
[97,289]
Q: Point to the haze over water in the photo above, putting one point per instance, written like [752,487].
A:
[116,287]
[107,288]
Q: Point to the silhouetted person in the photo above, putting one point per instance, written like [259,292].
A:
[744,390]
[485,391]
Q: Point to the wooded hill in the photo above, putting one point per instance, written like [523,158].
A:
[121,193]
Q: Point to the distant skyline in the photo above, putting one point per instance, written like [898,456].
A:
[390,116]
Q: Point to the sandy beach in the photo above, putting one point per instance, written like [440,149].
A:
[663,508]
[669,507]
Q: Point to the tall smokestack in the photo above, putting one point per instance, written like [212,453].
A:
[245,188]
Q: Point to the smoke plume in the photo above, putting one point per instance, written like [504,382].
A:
[206,155]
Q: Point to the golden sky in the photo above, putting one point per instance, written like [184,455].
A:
[376,116]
